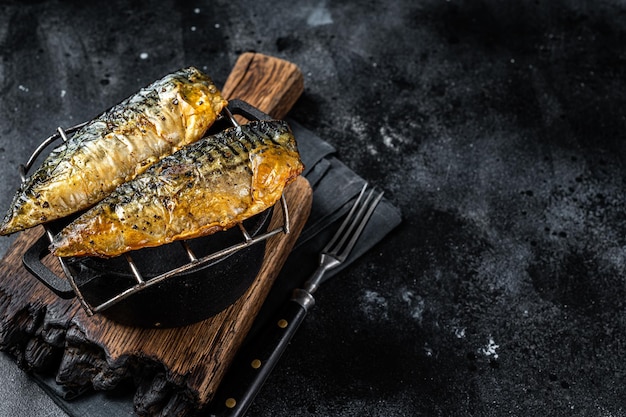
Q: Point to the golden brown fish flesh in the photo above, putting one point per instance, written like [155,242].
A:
[116,146]
[206,187]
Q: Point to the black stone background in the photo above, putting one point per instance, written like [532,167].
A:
[496,126]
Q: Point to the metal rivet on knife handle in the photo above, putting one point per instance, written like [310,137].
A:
[230,403]
[282,323]
[256,364]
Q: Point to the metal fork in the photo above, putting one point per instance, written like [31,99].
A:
[341,244]
[252,367]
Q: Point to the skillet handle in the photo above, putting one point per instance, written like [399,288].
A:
[32,262]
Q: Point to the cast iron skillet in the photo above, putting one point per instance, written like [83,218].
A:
[183,299]
[180,300]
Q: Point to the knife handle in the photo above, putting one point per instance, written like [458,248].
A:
[255,362]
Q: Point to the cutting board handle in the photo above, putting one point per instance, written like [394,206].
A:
[271,84]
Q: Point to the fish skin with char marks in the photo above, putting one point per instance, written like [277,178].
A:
[122,142]
[206,187]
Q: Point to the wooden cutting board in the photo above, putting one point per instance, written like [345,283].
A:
[176,370]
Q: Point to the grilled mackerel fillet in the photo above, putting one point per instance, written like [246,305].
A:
[209,186]
[116,146]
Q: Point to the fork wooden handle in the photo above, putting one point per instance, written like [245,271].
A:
[254,363]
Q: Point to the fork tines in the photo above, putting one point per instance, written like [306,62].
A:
[348,233]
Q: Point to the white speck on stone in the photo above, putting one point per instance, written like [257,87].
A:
[387,141]
[390,137]
[428,351]
[23,88]
[374,305]
[217,26]
[459,332]
[416,304]
[196,10]
[359,128]
[371,149]
[490,349]
[193,28]
[63,92]
[320,15]
[144,55]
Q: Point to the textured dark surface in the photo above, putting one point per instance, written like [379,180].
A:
[497,128]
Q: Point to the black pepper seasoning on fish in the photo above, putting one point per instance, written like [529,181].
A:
[206,187]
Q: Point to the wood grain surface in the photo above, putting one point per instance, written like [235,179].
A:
[272,85]
[176,370]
